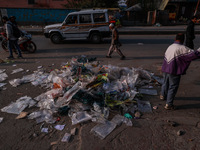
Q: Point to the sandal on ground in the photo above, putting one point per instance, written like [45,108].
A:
[169,107]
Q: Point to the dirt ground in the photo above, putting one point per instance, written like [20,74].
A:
[153,131]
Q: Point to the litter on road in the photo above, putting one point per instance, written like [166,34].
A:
[85,90]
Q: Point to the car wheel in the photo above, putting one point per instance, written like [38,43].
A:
[95,38]
[56,38]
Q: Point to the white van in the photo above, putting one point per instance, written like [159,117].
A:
[91,24]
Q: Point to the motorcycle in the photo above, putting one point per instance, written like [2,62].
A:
[25,42]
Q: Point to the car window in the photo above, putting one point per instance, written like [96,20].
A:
[72,19]
[99,17]
[85,18]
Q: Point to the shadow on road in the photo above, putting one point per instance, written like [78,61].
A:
[124,41]
[188,98]
[70,50]
[189,106]
[147,41]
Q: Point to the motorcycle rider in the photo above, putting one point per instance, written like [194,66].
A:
[12,40]
[13,20]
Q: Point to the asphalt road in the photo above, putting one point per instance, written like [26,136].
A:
[153,131]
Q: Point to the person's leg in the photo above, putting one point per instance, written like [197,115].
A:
[17,48]
[119,52]
[110,51]
[10,47]
[174,81]
[165,86]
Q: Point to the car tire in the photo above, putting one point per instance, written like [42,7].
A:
[56,38]
[95,38]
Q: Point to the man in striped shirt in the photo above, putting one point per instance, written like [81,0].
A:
[177,60]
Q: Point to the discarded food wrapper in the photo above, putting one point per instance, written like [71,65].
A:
[155,107]
[127,115]
[73,131]
[22,115]
[54,143]
[66,137]
[137,115]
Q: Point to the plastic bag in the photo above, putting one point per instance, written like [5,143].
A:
[59,127]
[127,121]
[28,78]
[118,119]
[2,70]
[17,70]
[103,130]
[3,77]
[42,115]
[19,105]
[2,85]
[80,117]
[69,94]
[46,104]
[66,137]
[15,82]
[40,79]
[144,106]
[148,91]
[44,130]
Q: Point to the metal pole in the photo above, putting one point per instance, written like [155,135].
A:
[196,8]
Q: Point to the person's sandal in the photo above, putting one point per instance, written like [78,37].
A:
[169,107]
[161,97]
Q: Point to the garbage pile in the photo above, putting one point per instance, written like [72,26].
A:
[85,90]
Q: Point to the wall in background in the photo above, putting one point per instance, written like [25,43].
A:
[33,16]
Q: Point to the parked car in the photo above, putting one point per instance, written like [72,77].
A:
[91,24]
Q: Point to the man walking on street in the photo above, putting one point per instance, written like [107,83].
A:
[177,60]
[115,44]
[190,36]
[12,40]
